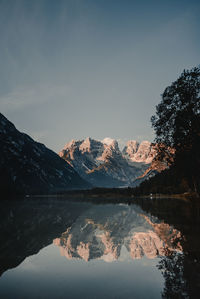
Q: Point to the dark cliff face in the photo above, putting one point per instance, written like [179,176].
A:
[27,166]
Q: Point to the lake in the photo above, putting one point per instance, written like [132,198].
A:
[57,248]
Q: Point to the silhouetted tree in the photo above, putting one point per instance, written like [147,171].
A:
[177,124]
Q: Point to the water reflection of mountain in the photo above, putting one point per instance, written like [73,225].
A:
[28,226]
[103,231]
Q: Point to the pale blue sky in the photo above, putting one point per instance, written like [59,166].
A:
[77,68]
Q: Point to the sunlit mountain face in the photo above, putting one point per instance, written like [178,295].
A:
[104,164]
[115,233]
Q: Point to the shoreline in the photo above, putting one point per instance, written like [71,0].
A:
[116,194]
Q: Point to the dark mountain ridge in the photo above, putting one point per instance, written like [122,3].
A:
[29,167]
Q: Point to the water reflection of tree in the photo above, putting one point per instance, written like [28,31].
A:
[181,271]
[172,268]
[182,275]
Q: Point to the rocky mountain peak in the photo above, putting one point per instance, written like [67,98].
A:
[111,144]
[143,152]
[72,144]
[131,148]
[90,145]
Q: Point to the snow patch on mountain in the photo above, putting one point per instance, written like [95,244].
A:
[108,140]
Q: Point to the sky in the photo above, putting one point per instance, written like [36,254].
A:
[70,69]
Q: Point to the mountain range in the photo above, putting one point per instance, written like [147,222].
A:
[103,164]
[29,167]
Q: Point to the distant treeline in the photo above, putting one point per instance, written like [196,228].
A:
[170,181]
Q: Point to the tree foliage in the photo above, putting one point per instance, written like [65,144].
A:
[177,123]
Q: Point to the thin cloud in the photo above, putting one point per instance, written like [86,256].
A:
[25,97]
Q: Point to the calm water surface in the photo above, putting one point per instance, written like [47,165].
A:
[53,248]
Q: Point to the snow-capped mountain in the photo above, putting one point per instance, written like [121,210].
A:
[29,167]
[103,164]
[143,152]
